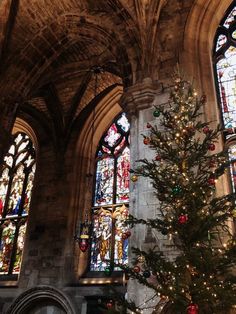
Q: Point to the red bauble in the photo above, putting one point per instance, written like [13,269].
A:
[212,164]
[136,269]
[83,245]
[206,130]
[211,181]
[146,140]
[109,304]
[183,218]
[149,125]
[211,147]
[203,98]
[128,233]
[192,309]
[158,158]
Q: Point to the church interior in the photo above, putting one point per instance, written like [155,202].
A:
[78,81]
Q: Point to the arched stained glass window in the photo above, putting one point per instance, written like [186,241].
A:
[111,197]
[16,182]
[224,56]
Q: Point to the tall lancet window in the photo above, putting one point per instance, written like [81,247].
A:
[111,198]
[224,56]
[16,182]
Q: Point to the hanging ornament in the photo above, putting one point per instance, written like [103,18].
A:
[146,141]
[158,157]
[141,259]
[206,130]
[126,235]
[146,274]
[234,213]
[156,113]
[211,181]
[149,125]
[176,190]
[212,163]
[108,271]
[164,231]
[109,304]
[134,178]
[183,218]
[83,245]
[136,269]
[203,98]
[192,309]
[84,236]
[211,147]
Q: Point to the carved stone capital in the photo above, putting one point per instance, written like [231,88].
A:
[139,96]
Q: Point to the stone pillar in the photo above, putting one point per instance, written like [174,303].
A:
[7,119]
[138,102]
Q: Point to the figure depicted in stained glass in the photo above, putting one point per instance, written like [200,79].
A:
[123,167]
[16,183]
[111,190]
[104,181]
[121,242]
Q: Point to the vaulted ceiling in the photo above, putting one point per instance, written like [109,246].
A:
[51,51]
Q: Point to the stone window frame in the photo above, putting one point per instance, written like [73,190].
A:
[20,126]
[228,135]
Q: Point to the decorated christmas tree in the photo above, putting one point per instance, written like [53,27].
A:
[195,217]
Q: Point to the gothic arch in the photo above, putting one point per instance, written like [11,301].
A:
[199,34]
[42,294]
[86,145]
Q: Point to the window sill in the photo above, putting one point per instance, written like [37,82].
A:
[99,278]
[8,281]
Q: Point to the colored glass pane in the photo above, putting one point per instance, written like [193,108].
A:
[16,182]
[121,241]
[111,188]
[123,123]
[226,73]
[101,239]
[230,18]
[123,166]
[232,158]
[112,136]
[104,181]
[106,150]
[6,245]
[120,146]
[220,41]
[20,246]
[234,34]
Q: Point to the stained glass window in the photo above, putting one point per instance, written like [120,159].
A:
[224,57]
[16,182]
[111,197]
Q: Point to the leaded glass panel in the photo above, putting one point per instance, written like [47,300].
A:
[16,182]
[111,191]
[104,181]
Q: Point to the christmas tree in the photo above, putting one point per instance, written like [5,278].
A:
[184,173]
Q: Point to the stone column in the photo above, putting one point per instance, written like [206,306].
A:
[138,102]
[7,119]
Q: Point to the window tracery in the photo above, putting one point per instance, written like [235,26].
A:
[16,182]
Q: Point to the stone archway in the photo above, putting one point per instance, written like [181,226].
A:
[46,298]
